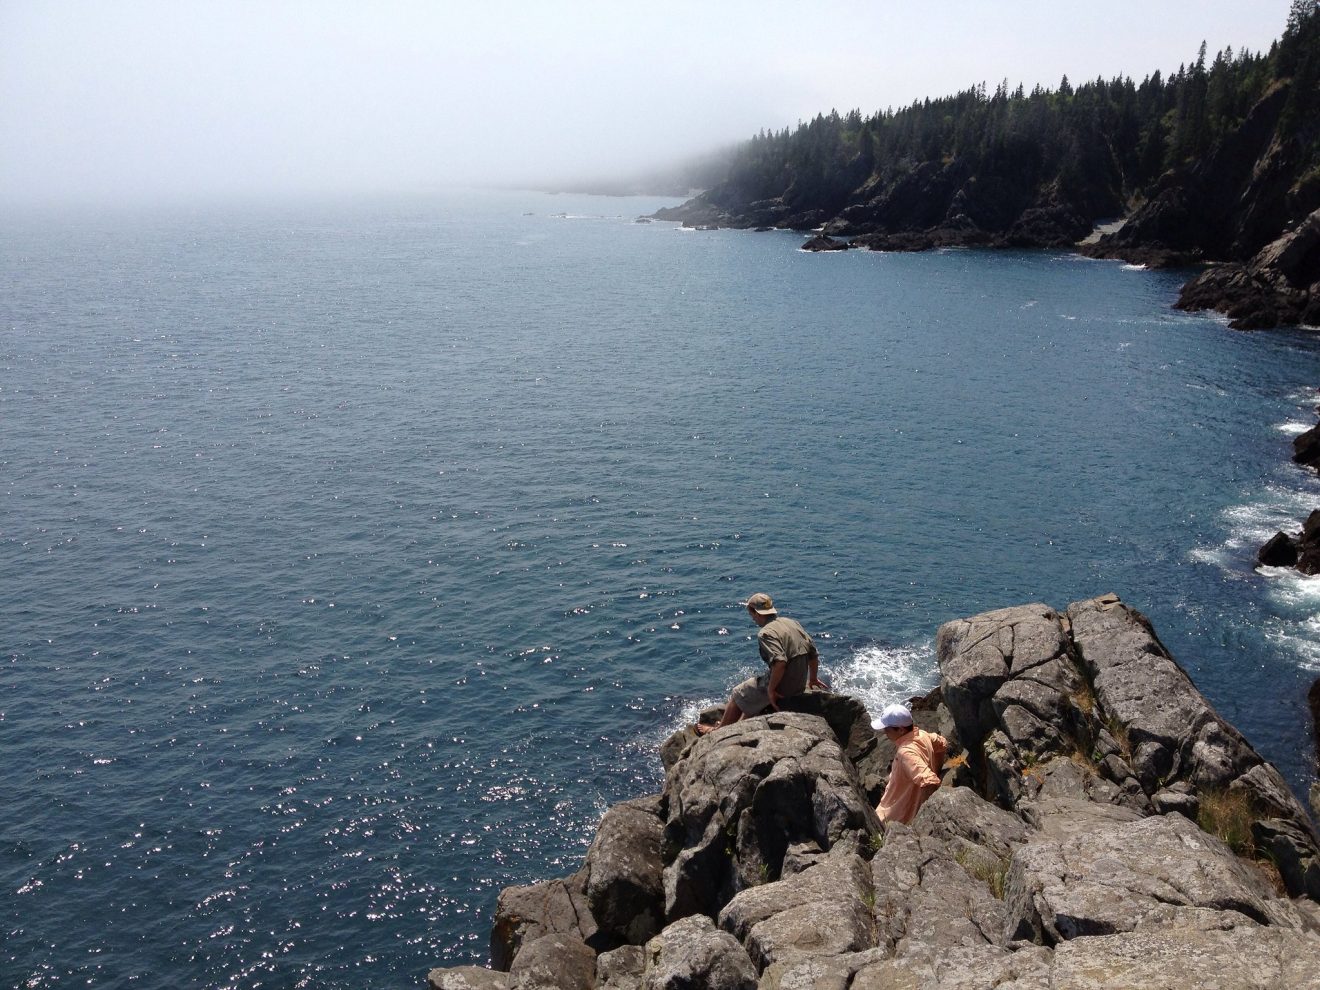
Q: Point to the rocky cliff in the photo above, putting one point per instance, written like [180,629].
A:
[1103,827]
[916,207]
[1252,209]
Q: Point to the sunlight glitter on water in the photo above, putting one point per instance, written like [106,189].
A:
[1301,640]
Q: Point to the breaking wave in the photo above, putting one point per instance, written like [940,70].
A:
[1290,619]
[881,675]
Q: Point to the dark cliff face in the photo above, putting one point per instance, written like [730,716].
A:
[917,206]
[1224,206]
[1228,205]
[1253,207]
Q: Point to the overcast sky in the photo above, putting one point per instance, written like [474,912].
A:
[129,99]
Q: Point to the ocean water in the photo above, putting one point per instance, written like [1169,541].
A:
[354,557]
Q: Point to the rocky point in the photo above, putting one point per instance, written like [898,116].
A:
[1099,826]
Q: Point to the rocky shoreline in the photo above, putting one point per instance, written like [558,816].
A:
[1249,210]
[1278,286]
[1099,826]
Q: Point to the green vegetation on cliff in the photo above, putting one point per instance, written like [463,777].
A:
[1006,166]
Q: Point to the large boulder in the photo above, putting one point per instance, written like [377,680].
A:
[824,910]
[961,967]
[525,914]
[742,795]
[1301,551]
[1089,706]
[1308,545]
[978,656]
[467,978]
[1172,732]
[1306,447]
[1113,877]
[1279,551]
[971,826]
[1020,698]
[846,716]
[554,961]
[1242,955]
[621,968]
[1174,736]
[692,954]
[927,901]
[939,913]
[625,884]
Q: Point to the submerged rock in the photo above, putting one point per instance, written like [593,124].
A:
[1105,828]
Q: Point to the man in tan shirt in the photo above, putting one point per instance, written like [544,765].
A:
[787,650]
[915,773]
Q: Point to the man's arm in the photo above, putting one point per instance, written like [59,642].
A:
[813,669]
[772,652]
[776,675]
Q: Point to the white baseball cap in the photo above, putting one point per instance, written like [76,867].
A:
[893,717]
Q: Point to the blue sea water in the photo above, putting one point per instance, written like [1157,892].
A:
[354,557]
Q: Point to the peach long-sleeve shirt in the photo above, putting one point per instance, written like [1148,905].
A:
[916,764]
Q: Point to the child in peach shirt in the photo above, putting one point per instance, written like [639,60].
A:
[915,773]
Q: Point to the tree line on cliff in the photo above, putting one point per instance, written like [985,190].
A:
[1018,167]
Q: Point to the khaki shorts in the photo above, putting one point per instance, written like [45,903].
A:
[752,696]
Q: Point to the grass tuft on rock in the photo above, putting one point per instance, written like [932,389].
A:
[1083,699]
[993,872]
[1120,733]
[1228,815]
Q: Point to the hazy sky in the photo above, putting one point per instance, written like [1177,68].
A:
[129,99]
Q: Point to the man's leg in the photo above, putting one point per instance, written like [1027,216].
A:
[732,713]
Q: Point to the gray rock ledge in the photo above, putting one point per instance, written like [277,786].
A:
[1099,826]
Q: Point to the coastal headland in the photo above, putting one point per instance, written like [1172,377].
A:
[1216,166]
[1100,825]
